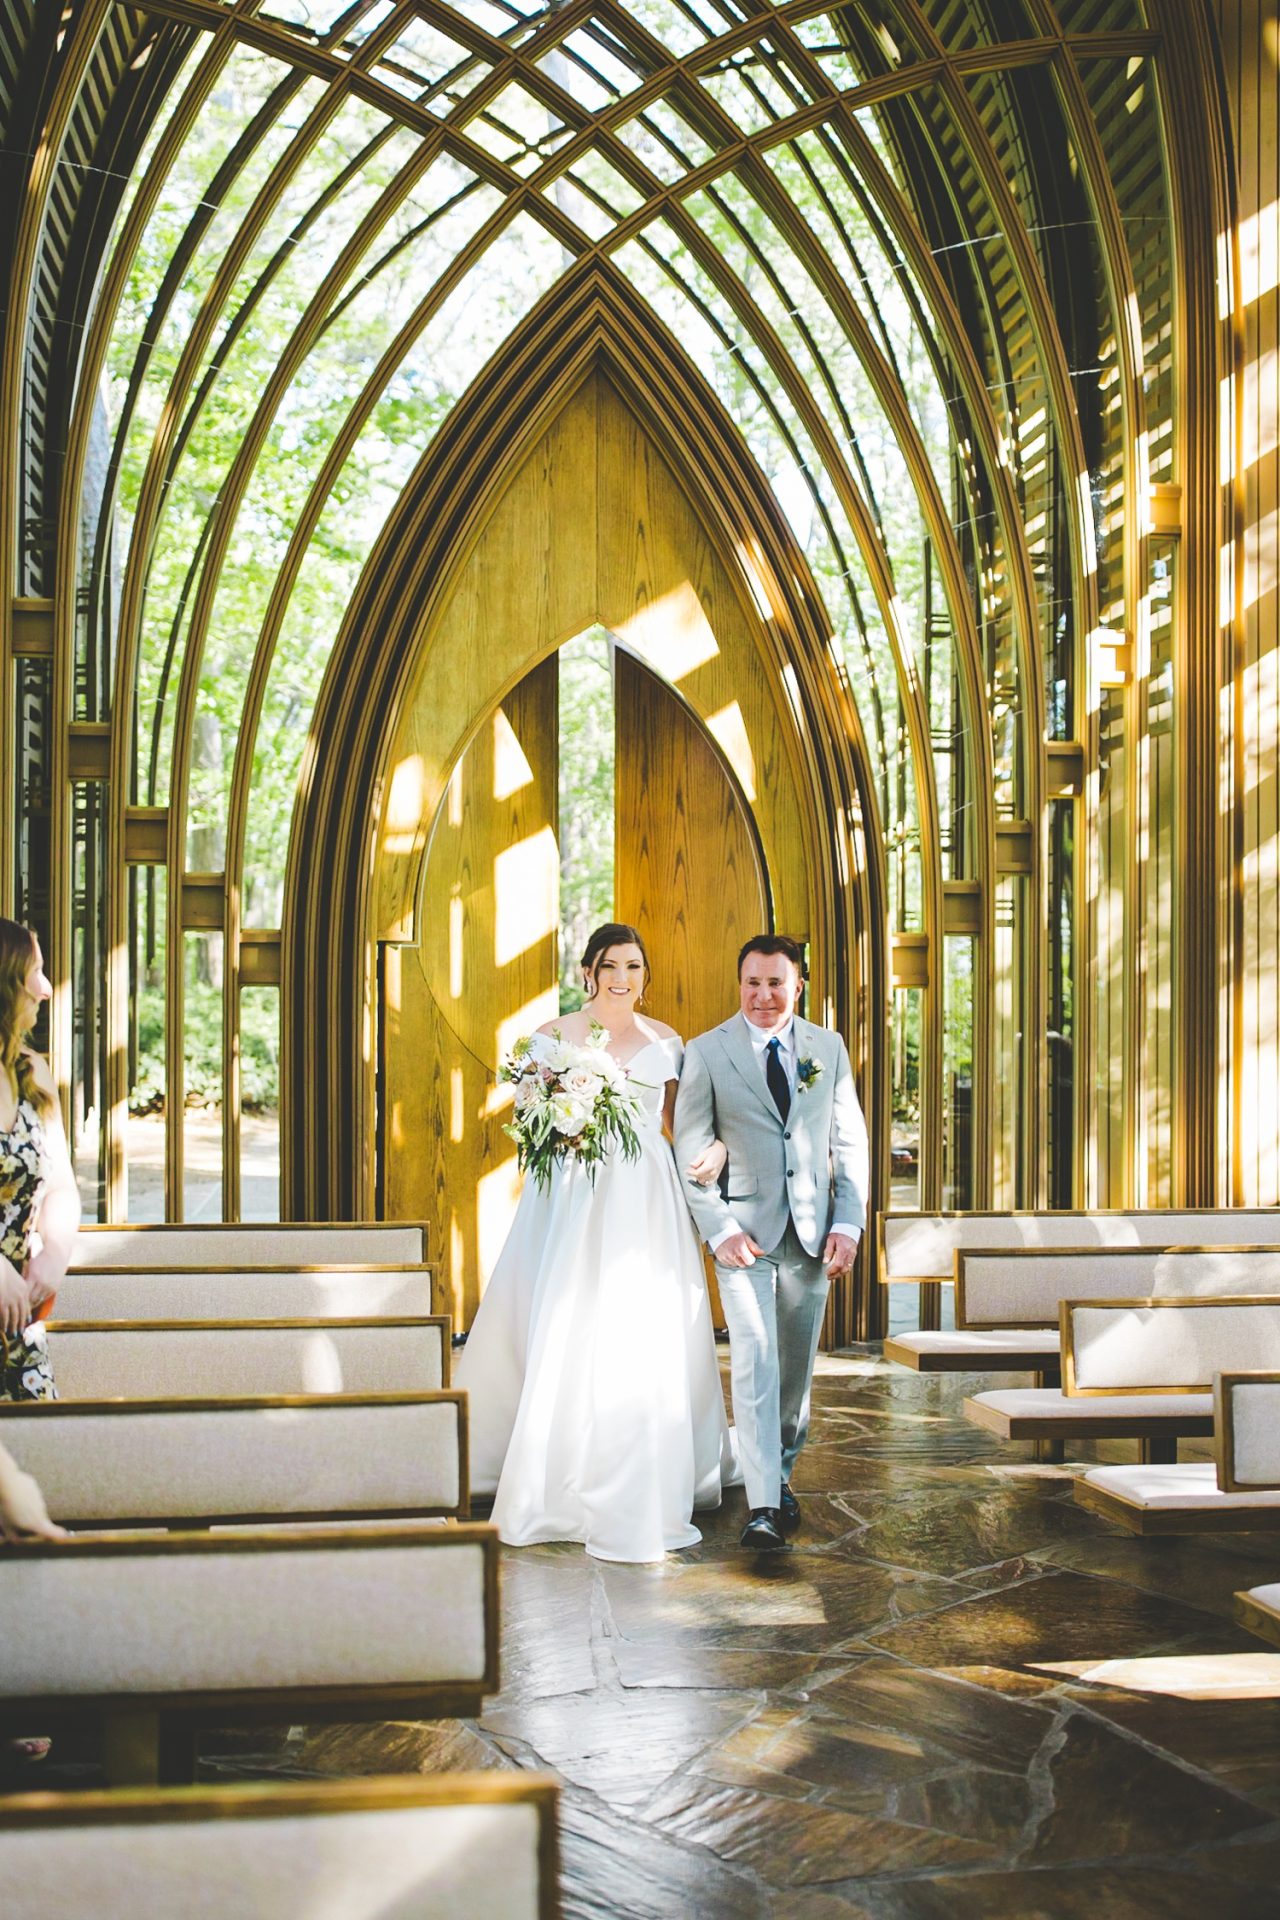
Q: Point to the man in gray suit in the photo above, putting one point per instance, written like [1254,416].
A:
[786,1215]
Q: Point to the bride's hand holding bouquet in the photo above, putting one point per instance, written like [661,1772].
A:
[571,1102]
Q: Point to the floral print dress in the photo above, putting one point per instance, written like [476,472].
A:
[25,1370]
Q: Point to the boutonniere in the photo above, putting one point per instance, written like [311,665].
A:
[808,1072]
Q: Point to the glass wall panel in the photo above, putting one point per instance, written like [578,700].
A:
[1007,947]
[1108,888]
[1060,1142]
[260,1103]
[88,1028]
[957,1065]
[202,1059]
[437,368]
[148,1053]
[1158,792]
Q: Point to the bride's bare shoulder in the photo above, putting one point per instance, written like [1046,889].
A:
[566,1026]
[659,1030]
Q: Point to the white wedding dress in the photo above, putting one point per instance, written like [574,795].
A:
[596,1412]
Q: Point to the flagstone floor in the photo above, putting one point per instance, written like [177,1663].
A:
[958,1695]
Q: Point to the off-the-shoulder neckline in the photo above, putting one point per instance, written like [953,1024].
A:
[667,1040]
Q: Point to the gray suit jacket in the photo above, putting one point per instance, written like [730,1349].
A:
[814,1167]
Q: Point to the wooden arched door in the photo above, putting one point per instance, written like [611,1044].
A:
[688,873]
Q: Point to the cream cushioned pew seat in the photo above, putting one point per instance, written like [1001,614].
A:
[245,1293]
[990,1350]
[1031,1413]
[146,1464]
[458,1847]
[141,1360]
[249,1243]
[1174,1499]
[1259,1610]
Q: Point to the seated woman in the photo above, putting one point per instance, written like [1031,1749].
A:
[39,1218]
[39,1203]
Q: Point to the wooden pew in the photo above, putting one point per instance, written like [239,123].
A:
[1124,1363]
[462,1846]
[156,1635]
[221,1359]
[1239,1490]
[244,1293]
[920,1248]
[253,1243]
[201,1463]
[1007,1299]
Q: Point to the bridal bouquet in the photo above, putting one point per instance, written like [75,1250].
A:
[570,1102]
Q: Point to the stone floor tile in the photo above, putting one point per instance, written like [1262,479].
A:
[799,1601]
[612,1867]
[956,1532]
[1237,1741]
[1065,1616]
[1147,1891]
[793,1844]
[1107,1796]
[965,1722]
[619,1745]
[1203,1571]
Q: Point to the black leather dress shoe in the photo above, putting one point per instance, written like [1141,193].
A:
[789,1508]
[762,1532]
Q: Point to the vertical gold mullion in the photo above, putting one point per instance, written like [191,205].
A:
[1204,639]
[1122,293]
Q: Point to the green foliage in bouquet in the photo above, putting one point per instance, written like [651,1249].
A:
[572,1102]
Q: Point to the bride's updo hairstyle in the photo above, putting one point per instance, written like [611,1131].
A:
[612,934]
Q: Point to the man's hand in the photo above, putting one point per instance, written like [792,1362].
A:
[739,1250]
[837,1255]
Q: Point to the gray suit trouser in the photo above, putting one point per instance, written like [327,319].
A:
[774,1309]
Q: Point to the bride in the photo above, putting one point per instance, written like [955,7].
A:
[596,1412]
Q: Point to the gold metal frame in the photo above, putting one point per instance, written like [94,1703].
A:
[1070,1307]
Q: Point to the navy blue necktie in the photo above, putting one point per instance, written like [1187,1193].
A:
[776,1075]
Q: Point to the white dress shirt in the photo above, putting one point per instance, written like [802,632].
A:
[786,1038]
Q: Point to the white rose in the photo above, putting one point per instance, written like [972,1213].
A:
[560,1056]
[569,1116]
[581,1083]
[526,1093]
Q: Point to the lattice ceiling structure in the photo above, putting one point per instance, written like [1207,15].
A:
[922,254]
